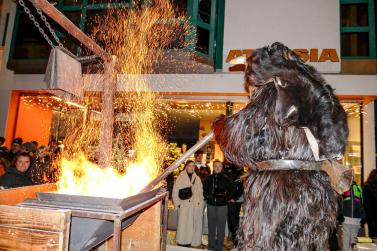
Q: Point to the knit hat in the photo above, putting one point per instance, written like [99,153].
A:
[17,141]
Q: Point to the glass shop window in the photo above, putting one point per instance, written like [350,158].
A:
[189,121]
[353,157]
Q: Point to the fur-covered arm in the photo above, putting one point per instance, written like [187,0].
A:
[218,125]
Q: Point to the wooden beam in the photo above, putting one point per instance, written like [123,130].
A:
[71,28]
[106,137]
[14,196]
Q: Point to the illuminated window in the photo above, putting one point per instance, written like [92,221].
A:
[353,155]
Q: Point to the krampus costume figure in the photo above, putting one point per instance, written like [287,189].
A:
[292,124]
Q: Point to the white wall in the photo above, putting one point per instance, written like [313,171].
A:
[6,76]
[251,24]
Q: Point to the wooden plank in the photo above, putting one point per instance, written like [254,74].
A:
[29,239]
[144,234]
[38,219]
[24,228]
[14,196]
[71,28]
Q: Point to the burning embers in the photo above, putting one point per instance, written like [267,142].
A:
[82,177]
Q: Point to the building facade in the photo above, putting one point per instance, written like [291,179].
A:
[338,37]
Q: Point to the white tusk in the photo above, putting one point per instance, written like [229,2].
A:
[278,82]
[291,110]
[238,60]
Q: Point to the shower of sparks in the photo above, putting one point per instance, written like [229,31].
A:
[138,38]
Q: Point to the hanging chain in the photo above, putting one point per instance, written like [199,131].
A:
[44,19]
[32,18]
[51,30]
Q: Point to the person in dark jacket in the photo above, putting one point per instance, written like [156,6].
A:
[15,149]
[218,189]
[234,205]
[17,177]
[201,169]
[370,203]
[353,212]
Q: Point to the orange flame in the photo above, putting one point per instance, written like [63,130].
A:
[82,177]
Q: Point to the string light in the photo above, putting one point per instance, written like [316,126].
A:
[47,102]
[196,109]
[44,102]
[354,109]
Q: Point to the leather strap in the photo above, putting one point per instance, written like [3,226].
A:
[312,142]
[284,164]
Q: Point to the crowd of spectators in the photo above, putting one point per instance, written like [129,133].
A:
[27,163]
[219,194]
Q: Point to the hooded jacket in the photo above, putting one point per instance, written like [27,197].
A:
[353,202]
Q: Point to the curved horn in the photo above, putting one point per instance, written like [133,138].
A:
[238,60]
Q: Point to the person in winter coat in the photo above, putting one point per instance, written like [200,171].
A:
[353,212]
[370,203]
[17,176]
[234,205]
[190,208]
[218,191]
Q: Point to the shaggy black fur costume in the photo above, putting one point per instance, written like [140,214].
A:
[289,209]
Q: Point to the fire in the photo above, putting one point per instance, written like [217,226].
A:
[138,39]
[82,177]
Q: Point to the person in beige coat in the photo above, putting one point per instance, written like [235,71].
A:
[190,211]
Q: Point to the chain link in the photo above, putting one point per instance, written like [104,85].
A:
[44,19]
[32,18]
[51,30]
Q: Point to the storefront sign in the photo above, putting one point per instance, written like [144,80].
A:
[307,55]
